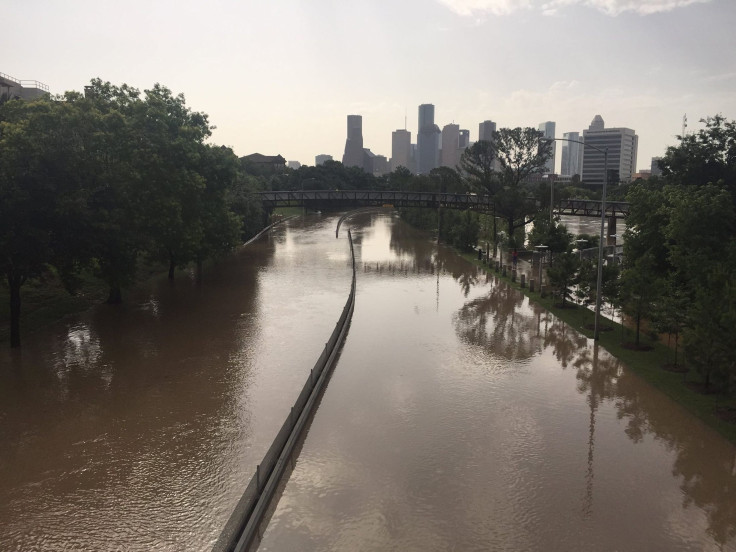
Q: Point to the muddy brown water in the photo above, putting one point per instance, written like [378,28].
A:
[459,417]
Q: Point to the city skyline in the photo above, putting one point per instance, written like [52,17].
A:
[281,77]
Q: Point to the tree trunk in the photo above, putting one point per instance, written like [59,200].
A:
[199,271]
[172,266]
[638,325]
[14,283]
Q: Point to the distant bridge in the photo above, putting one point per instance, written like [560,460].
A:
[590,208]
[338,199]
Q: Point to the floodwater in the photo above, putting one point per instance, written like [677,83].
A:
[459,417]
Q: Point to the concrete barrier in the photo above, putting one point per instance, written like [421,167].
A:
[242,527]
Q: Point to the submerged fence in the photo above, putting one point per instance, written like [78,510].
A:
[242,527]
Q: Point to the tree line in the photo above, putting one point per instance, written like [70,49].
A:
[100,180]
[679,272]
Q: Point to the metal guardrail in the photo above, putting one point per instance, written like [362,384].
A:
[242,528]
[25,83]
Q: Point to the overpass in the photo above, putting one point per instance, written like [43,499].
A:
[348,199]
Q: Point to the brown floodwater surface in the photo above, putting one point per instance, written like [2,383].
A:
[460,416]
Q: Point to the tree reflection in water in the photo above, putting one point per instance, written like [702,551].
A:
[503,324]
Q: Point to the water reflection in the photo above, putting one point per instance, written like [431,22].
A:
[119,427]
[463,417]
[704,462]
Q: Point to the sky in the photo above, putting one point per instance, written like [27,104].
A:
[281,76]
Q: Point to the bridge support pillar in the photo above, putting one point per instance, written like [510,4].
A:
[611,232]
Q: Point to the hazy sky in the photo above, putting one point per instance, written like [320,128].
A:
[280,76]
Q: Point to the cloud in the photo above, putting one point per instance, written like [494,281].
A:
[476,8]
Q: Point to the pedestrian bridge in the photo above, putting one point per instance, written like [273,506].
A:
[349,199]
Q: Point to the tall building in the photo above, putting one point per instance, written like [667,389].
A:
[428,140]
[656,171]
[572,155]
[322,159]
[486,130]
[401,149]
[464,139]
[548,130]
[450,146]
[353,156]
[622,145]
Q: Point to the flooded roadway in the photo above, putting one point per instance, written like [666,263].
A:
[459,416]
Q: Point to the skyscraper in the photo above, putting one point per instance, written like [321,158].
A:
[353,156]
[572,155]
[622,145]
[450,145]
[428,140]
[401,149]
[548,129]
[656,171]
[464,139]
[486,130]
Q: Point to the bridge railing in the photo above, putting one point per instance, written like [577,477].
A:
[391,198]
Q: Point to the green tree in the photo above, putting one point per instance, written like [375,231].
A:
[521,153]
[114,235]
[562,274]
[554,235]
[640,289]
[478,164]
[171,137]
[707,156]
[41,192]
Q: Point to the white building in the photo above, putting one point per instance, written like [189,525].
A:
[620,143]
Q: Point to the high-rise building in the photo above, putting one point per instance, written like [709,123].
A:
[464,139]
[428,140]
[322,159]
[486,130]
[572,155]
[450,146]
[656,171]
[401,149]
[548,130]
[620,143]
[353,156]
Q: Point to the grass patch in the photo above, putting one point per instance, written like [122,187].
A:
[288,211]
[653,361]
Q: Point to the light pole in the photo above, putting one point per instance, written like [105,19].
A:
[599,284]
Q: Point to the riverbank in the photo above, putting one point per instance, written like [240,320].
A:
[653,365]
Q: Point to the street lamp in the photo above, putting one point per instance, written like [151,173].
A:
[599,284]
